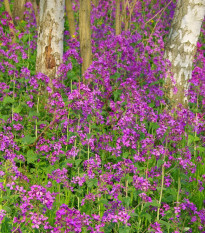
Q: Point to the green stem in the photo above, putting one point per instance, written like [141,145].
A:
[126,188]
[179,188]
[195,133]
[161,191]
[89,145]
[12,113]
[37,109]
[68,129]
[140,219]
[78,203]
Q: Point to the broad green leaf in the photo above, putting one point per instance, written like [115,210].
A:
[124,229]
[147,216]
[159,163]
[168,226]
[31,156]
[8,100]
[77,162]
[28,140]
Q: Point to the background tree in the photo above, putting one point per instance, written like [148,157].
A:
[8,9]
[85,34]
[95,2]
[35,8]
[181,47]
[50,37]
[70,15]
[18,10]
[117,18]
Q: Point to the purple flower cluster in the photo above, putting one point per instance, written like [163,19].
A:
[108,147]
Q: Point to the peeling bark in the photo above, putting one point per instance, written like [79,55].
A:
[85,34]
[181,47]
[70,15]
[50,37]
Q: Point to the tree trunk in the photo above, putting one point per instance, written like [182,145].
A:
[70,15]
[117,18]
[181,47]
[18,10]
[35,8]
[50,37]
[85,34]
[11,29]
[124,17]
[95,2]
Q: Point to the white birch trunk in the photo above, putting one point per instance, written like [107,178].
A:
[50,37]
[181,46]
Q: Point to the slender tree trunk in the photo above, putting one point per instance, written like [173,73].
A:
[117,18]
[70,15]
[18,10]
[181,47]
[124,14]
[8,9]
[50,37]
[85,34]
[35,8]
[95,2]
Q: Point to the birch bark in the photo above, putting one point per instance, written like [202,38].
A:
[50,37]
[181,47]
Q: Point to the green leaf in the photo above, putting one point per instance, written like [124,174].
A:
[196,139]
[17,109]
[154,125]
[108,227]
[201,149]
[28,140]
[77,162]
[4,117]
[124,229]
[33,113]
[89,135]
[159,163]
[116,94]
[153,203]
[151,105]
[147,216]
[103,201]
[8,100]
[186,229]
[126,201]
[7,208]
[92,182]
[42,122]
[125,155]
[115,76]
[129,178]
[31,156]
[168,226]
